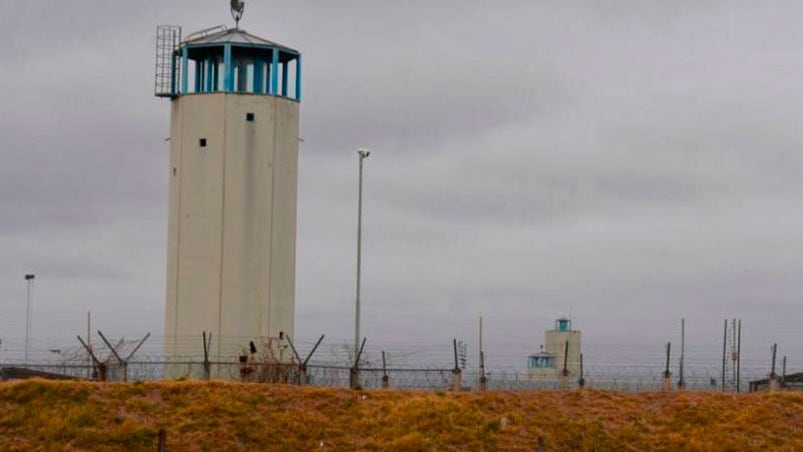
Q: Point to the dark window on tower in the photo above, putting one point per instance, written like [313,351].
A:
[249,117]
[202,142]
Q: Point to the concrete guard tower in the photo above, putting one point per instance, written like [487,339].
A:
[547,365]
[233,172]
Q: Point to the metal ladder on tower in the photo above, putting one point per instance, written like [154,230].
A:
[168,68]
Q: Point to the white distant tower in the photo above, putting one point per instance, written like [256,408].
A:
[562,346]
[233,173]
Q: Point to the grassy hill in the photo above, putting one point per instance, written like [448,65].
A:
[230,416]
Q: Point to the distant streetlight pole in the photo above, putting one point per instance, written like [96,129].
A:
[362,154]
[29,278]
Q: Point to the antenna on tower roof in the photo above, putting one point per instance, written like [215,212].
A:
[237,10]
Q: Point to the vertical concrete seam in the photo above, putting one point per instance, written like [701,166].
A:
[274,103]
[222,224]
[180,109]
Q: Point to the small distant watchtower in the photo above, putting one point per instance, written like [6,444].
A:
[548,364]
[233,175]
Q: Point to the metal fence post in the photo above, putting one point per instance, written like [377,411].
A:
[385,378]
[354,380]
[667,373]
[207,364]
[457,373]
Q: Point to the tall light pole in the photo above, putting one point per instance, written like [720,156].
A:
[362,154]
[29,278]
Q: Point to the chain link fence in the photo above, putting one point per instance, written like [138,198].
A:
[324,375]
[413,366]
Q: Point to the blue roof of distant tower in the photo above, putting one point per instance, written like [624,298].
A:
[235,36]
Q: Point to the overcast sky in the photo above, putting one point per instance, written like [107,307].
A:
[628,163]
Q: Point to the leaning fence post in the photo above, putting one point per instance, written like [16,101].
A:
[354,380]
[304,376]
[100,365]
[302,365]
[114,352]
[301,368]
[131,355]
[457,374]
[124,362]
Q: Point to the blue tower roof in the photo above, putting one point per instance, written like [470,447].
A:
[222,60]
[234,36]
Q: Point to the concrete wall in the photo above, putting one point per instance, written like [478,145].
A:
[232,222]
[551,374]
[556,343]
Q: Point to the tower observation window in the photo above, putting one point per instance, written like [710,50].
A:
[210,67]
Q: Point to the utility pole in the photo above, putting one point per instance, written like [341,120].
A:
[739,357]
[681,382]
[28,313]
[483,379]
[724,353]
[480,351]
[89,344]
[667,373]
[773,381]
[362,154]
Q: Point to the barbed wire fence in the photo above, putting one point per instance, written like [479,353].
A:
[318,363]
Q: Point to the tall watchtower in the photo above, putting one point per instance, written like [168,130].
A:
[233,173]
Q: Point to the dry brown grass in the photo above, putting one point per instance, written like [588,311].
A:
[229,416]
